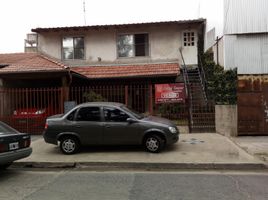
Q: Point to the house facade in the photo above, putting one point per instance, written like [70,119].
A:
[142,43]
[128,63]
[138,55]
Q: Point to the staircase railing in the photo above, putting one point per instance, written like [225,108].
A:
[188,92]
[203,78]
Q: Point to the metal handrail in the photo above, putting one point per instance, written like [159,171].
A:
[203,77]
[187,83]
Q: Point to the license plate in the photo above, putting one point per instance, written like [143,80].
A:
[13,146]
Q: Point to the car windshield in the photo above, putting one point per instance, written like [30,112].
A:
[134,113]
[4,128]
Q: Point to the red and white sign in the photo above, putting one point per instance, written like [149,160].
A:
[169,93]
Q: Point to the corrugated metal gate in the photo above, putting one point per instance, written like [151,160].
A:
[252,105]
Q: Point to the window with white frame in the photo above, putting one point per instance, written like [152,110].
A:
[189,38]
[132,45]
[73,48]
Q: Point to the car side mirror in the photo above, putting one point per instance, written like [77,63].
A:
[131,120]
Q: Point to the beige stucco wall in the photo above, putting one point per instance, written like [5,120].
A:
[50,43]
[226,120]
[164,44]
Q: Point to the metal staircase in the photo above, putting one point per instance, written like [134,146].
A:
[201,110]
[197,88]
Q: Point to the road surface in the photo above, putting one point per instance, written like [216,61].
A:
[17,184]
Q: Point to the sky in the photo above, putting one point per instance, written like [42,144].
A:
[18,17]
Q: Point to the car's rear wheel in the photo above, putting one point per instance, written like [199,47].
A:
[154,143]
[69,145]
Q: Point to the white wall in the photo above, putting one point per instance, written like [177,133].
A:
[210,39]
[164,43]
[249,53]
[245,16]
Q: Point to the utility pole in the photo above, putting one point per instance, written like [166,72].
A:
[217,50]
[84,11]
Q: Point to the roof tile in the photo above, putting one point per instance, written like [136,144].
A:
[28,62]
[152,70]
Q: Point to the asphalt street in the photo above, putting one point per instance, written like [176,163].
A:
[18,184]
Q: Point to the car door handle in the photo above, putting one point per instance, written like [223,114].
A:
[78,126]
[107,126]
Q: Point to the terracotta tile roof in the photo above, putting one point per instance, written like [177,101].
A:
[148,70]
[28,62]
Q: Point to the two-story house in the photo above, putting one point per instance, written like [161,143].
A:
[137,55]
[123,63]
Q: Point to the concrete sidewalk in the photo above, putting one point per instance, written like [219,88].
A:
[254,145]
[193,151]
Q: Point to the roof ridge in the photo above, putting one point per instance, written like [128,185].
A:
[53,61]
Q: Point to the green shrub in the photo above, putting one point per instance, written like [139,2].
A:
[93,97]
[221,84]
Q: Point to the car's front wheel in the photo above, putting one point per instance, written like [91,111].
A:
[154,143]
[69,145]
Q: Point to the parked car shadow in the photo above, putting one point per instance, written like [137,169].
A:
[114,148]
[109,148]
[122,148]
[8,173]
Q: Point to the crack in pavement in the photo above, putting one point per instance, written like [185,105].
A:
[55,177]
[238,188]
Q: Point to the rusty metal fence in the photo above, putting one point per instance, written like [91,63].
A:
[203,117]
[139,97]
[26,109]
[252,105]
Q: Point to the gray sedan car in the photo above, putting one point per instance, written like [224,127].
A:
[106,123]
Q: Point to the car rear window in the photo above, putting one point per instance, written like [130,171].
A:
[4,128]
[88,114]
[71,116]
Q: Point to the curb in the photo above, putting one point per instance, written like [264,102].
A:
[141,166]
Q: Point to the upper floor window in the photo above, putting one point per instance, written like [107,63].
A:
[73,48]
[132,45]
[188,39]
